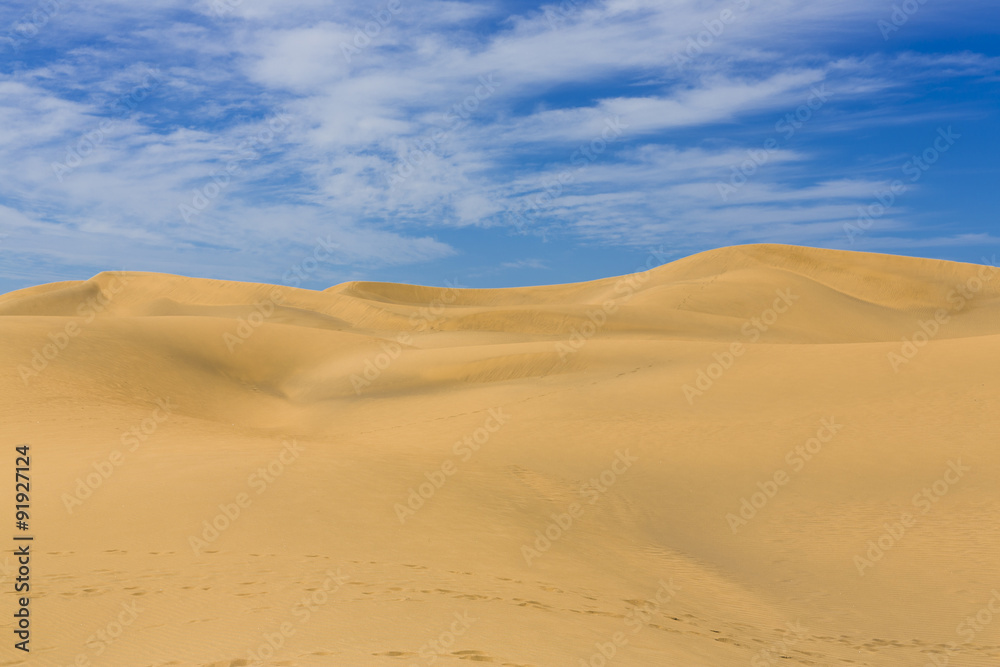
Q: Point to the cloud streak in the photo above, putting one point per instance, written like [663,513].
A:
[381,146]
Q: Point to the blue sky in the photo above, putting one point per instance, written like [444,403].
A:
[488,144]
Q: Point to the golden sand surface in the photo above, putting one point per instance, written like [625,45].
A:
[757,455]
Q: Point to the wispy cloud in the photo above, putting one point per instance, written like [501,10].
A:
[391,139]
[525,264]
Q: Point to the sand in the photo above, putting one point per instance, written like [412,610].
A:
[757,455]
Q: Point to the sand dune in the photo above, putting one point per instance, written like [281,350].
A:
[758,455]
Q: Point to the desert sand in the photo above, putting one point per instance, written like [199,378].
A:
[757,455]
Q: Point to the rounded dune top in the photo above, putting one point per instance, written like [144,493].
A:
[892,281]
[841,296]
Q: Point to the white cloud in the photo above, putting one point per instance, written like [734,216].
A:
[525,264]
[390,109]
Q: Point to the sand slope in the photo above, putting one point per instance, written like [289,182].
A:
[691,465]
